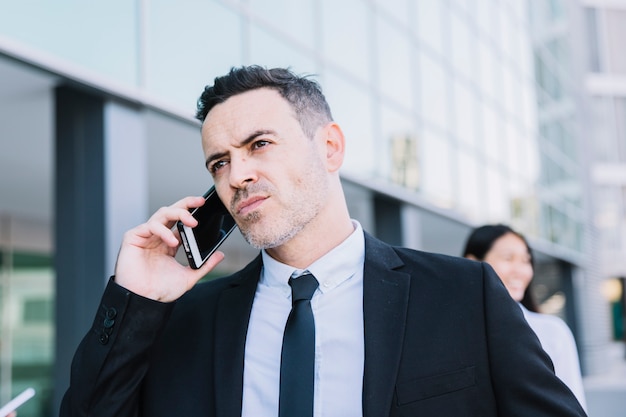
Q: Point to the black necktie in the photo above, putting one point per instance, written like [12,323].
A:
[297,364]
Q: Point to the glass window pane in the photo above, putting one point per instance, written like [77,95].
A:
[295,19]
[271,51]
[615,35]
[465,110]
[184,53]
[353,110]
[436,168]
[399,134]
[340,18]
[394,64]
[27,329]
[484,13]
[469,196]
[429,23]
[399,9]
[463,52]
[487,68]
[432,92]
[98,36]
[497,207]
[492,134]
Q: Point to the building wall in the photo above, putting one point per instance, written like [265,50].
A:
[456,112]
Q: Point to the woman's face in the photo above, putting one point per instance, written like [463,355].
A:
[510,259]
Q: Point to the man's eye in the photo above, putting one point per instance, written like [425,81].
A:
[260,144]
[215,166]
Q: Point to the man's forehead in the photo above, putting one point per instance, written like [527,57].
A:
[251,107]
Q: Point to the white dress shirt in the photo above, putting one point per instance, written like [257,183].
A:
[339,341]
[559,343]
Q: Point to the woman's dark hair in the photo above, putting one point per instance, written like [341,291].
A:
[480,242]
[303,94]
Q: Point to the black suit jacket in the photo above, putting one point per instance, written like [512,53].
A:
[442,338]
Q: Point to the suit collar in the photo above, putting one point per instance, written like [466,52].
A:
[385,302]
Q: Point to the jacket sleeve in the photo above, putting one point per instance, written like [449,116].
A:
[113,357]
[523,376]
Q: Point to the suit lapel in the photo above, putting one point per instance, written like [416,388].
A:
[385,301]
[233,314]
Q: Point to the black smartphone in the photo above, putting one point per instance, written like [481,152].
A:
[214,225]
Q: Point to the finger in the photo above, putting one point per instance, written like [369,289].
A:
[189,202]
[210,263]
[163,232]
[168,216]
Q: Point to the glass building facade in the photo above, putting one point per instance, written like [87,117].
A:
[472,106]
[436,95]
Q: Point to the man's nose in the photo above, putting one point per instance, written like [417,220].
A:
[242,172]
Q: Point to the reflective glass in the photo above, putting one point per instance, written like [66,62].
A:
[352,108]
[429,23]
[188,44]
[484,13]
[394,64]
[399,9]
[296,19]
[510,92]
[469,188]
[492,134]
[604,130]
[615,35]
[27,330]
[435,161]
[433,103]
[399,148]
[487,68]
[515,157]
[497,207]
[100,37]
[465,110]
[346,40]
[271,51]
[462,47]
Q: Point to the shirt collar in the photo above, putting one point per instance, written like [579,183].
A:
[335,267]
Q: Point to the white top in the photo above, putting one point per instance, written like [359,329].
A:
[339,339]
[558,341]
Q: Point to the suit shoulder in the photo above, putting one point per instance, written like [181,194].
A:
[437,261]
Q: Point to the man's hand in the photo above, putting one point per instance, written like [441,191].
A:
[146,263]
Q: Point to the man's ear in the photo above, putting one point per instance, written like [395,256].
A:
[335,146]
[472,257]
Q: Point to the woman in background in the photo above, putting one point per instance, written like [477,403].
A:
[510,256]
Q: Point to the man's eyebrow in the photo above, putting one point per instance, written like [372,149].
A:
[245,142]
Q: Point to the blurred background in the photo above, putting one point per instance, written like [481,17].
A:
[456,112]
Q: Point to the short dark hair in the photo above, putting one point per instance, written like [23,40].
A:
[303,94]
[480,242]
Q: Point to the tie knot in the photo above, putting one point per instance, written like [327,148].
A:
[303,287]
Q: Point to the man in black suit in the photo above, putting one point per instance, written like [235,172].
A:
[398,332]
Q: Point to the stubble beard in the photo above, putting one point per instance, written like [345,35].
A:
[270,230]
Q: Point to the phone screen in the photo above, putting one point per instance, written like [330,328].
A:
[214,225]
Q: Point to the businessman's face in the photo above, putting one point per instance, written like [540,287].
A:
[510,259]
[269,174]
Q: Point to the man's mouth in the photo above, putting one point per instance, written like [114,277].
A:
[249,205]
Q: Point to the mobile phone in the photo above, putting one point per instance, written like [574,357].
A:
[12,405]
[214,225]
